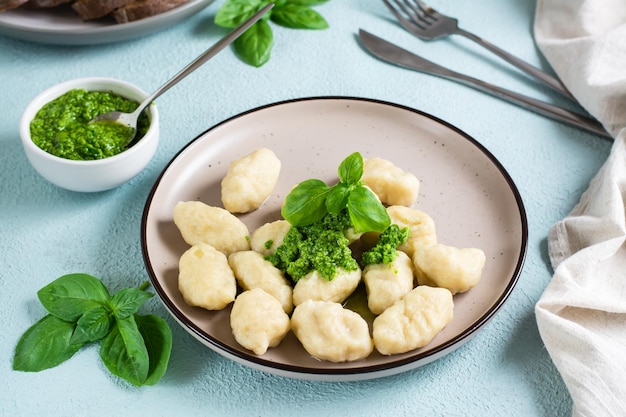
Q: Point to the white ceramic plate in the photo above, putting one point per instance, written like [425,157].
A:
[62,26]
[464,188]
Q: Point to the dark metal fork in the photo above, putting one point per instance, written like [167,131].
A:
[426,23]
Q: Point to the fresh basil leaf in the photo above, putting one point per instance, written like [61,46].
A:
[234,12]
[351,169]
[337,197]
[305,204]
[157,337]
[367,212]
[93,325]
[126,302]
[44,345]
[123,351]
[70,296]
[255,44]
[297,16]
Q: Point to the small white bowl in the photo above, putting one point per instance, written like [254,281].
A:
[97,175]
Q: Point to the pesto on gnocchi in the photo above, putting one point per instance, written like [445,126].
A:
[410,293]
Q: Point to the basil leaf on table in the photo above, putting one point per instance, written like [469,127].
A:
[296,16]
[133,347]
[234,12]
[45,345]
[93,325]
[124,353]
[255,44]
[126,302]
[69,296]
[157,337]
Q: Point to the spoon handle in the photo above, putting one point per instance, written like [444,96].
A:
[208,54]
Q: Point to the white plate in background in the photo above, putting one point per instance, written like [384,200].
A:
[62,26]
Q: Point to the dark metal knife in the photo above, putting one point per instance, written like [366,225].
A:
[389,52]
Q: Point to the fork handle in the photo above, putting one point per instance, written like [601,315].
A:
[540,75]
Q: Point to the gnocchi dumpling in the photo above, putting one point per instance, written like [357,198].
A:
[201,223]
[457,269]
[391,184]
[205,278]
[330,332]
[421,227]
[414,321]
[387,283]
[269,236]
[313,286]
[253,271]
[258,321]
[250,180]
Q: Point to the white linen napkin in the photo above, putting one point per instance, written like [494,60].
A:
[582,313]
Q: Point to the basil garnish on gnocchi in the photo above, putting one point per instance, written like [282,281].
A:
[300,270]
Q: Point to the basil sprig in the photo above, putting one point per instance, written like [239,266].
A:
[312,199]
[132,346]
[254,45]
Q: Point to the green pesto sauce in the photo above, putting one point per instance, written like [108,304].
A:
[320,247]
[384,252]
[61,127]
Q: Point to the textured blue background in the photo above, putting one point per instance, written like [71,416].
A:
[48,232]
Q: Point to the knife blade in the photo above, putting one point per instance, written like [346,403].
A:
[396,55]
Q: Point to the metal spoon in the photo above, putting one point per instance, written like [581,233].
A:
[130,119]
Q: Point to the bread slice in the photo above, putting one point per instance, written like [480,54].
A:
[95,9]
[139,9]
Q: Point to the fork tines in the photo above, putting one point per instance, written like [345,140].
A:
[418,13]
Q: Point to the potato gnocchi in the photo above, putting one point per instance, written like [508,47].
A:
[205,278]
[414,321]
[411,297]
[330,332]
[253,271]
[387,283]
[250,180]
[272,233]
[258,321]
[392,185]
[313,287]
[200,223]
[457,269]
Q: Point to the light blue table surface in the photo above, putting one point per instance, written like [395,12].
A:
[48,232]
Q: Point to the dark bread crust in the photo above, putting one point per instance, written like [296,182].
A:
[10,4]
[140,9]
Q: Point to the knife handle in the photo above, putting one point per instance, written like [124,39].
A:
[537,106]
